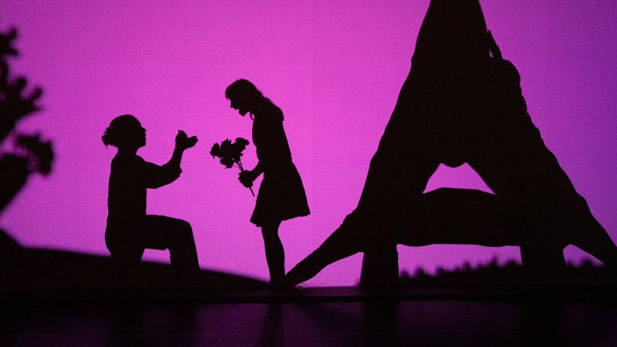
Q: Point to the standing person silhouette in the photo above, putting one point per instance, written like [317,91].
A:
[281,194]
[129,229]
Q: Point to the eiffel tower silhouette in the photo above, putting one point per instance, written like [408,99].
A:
[461,103]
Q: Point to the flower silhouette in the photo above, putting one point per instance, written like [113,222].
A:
[230,153]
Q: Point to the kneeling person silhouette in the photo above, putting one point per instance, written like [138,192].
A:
[129,229]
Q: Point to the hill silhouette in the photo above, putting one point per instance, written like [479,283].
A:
[33,270]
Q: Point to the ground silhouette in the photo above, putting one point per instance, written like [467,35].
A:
[35,271]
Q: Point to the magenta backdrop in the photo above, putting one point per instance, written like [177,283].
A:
[334,67]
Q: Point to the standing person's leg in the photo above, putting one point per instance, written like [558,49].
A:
[275,253]
[174,234]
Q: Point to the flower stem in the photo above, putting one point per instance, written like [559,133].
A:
[242,170]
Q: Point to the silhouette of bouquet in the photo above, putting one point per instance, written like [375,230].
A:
[231,153]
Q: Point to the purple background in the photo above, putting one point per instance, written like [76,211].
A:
[334,67]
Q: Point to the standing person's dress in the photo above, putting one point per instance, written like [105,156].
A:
[281,194]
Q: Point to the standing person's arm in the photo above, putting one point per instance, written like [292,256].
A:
[248,176]
[265,154]
[258,170]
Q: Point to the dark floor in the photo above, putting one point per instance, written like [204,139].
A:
[315,317]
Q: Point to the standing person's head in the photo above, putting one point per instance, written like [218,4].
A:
[125,132]
[243,96]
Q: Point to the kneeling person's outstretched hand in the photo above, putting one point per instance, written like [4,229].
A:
[185,142]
